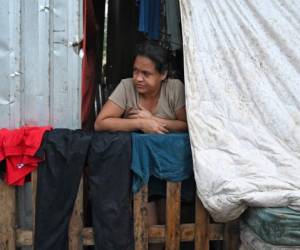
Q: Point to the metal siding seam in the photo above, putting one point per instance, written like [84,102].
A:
[66,65]
[74,62]
[43,45]
[15,63]
[5,50]
[50,66]
[28,66]
[61,96]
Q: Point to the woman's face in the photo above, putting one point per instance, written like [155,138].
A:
[146,78]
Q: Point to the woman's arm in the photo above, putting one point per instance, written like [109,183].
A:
[109,119]
[177,125]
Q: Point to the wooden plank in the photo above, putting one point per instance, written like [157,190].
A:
[173,216]
[141,219]
[201,227]
[7,217]
[76,223]
[157,234]
[34,187]
[23,238]
[88,236]
[215,231]
[231,235]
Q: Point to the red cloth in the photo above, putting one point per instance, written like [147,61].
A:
[3,133]
[18,148]
[89,67]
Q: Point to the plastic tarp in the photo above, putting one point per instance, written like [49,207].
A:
[251,241]
[242,77]
[278,226]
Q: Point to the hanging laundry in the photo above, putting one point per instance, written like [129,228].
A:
[2,170]
[157,155]
[3,133]
[173,24]
[110,185]
[89,66]
[149,18]
[18,149]
[108,159]
[58,181]
[2,155]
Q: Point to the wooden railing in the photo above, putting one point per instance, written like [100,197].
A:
[172,233]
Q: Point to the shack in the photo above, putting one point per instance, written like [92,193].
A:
[61,59]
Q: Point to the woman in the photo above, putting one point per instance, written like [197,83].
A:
[149,102]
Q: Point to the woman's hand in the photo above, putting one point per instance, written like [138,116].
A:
[141,112]
[152,126]
[148,123]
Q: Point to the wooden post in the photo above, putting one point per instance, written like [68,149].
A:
[173,216]
[231,235]
[141,219]
[76,223]
[7,217]
[201,227]
[34,187]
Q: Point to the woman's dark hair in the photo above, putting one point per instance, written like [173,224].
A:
[155,53]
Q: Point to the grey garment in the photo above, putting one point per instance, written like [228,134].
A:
[171,97]
[173,24]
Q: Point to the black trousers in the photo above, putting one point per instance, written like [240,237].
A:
[108,158]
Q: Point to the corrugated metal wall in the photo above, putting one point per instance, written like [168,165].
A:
[40,71]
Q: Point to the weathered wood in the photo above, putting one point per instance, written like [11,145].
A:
[215,231]
[201,227]
[173,216]
[231,236]
[7,217]
[141,219]
[157,234]
[88,236]
[76,223]
[33,200]
[23,238]
[201,231]
[187,232]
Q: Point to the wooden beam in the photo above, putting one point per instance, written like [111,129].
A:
[33,200]
[76,222]
[7,217]
[88,236]
[201,231]
[173,216]
[141,219]
[231,235]
[23,238]
[201,227]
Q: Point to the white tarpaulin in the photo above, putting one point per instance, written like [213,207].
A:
[242,76]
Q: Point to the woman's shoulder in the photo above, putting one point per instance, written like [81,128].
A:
[124,93]
[173,85]
[171,82]
[173,95]
[127,82]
